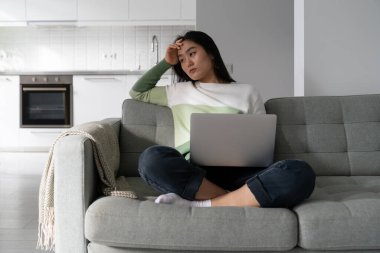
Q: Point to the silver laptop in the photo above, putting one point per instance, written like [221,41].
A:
[238,140]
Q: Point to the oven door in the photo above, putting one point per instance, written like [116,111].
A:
[45,106]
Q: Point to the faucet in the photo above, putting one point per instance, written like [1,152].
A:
[155,46]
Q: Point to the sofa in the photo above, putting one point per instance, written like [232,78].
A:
[339,136]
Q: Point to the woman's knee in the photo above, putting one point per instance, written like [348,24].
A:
[302,178]
[286,183]
[167,170]
[150,160]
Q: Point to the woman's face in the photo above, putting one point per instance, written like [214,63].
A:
[196,63]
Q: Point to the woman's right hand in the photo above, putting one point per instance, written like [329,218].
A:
[171,56]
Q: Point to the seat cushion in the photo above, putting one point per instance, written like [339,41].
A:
[131,223]
[343,213]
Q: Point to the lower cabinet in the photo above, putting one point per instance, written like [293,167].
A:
[98,97]
[9,110]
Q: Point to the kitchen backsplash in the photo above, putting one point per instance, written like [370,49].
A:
[83,48]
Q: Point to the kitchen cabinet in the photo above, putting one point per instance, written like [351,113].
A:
[9,110]
[188,9]
[155,10]
[38,137]
[51,10]
[162,12]
[12,13]
[105,10]
[97,97]
[97,12]
[12,10]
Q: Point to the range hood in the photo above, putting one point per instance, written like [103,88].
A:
[52,23]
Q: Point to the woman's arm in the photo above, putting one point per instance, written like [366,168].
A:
[145,88]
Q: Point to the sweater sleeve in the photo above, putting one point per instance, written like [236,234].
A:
[145,88]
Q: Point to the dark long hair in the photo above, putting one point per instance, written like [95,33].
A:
[211,49]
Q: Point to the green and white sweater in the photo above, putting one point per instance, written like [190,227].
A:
[185,98]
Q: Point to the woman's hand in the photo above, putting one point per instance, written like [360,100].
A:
[171,56]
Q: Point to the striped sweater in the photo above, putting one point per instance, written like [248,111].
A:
[185,98]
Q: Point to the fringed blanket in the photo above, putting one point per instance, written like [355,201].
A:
[106,152]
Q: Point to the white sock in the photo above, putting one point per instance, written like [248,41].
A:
[172,198]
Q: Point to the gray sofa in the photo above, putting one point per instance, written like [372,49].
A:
[338,136]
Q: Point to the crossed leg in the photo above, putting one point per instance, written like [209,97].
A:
[220,197]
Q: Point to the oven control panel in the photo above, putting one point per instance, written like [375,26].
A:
[46,79]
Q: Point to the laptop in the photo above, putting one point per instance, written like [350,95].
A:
[234,140]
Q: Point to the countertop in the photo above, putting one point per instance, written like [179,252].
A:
[74,72]
[77,72]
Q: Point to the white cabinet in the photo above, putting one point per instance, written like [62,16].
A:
[38,137]
[155,10]
[9,110]
[12,13]
[98,97]
[98,12]
[51,10]
[106,10]
[188,9]
[162,12]
[12,10]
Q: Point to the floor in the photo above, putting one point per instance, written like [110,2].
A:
[19,184]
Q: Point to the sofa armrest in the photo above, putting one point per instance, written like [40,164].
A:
[76,184]
[75,188]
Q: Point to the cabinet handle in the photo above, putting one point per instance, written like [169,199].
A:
[6,79]
[100,79]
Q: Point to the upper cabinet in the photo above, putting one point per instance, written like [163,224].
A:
[164,11]
[12,12]
[51,10]
[98,12]
[188,9]
[155,10]
[103,10]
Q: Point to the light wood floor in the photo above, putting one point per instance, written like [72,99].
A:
[18,213]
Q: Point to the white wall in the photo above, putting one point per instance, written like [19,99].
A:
[256,37]
[342,47]
[82,48]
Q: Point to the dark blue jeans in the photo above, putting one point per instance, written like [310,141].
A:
[283,184]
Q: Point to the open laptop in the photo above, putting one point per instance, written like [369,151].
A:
[236,140]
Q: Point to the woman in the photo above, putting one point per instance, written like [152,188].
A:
[204,85]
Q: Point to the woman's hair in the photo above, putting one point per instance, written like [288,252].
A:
[211,49]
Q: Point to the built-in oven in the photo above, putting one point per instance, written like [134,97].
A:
[46,101]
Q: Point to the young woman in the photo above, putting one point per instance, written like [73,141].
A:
[205,86]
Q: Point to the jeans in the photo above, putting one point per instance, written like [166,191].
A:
[285,183]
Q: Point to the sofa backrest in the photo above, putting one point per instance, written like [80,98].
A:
[142,125]
[336,135]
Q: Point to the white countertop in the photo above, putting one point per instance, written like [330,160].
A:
[74,72]
[77,72]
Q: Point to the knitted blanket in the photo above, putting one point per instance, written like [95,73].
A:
[106,153]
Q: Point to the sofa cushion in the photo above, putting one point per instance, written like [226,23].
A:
[343,213]
[123,222]
[142,125]
[336,135]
